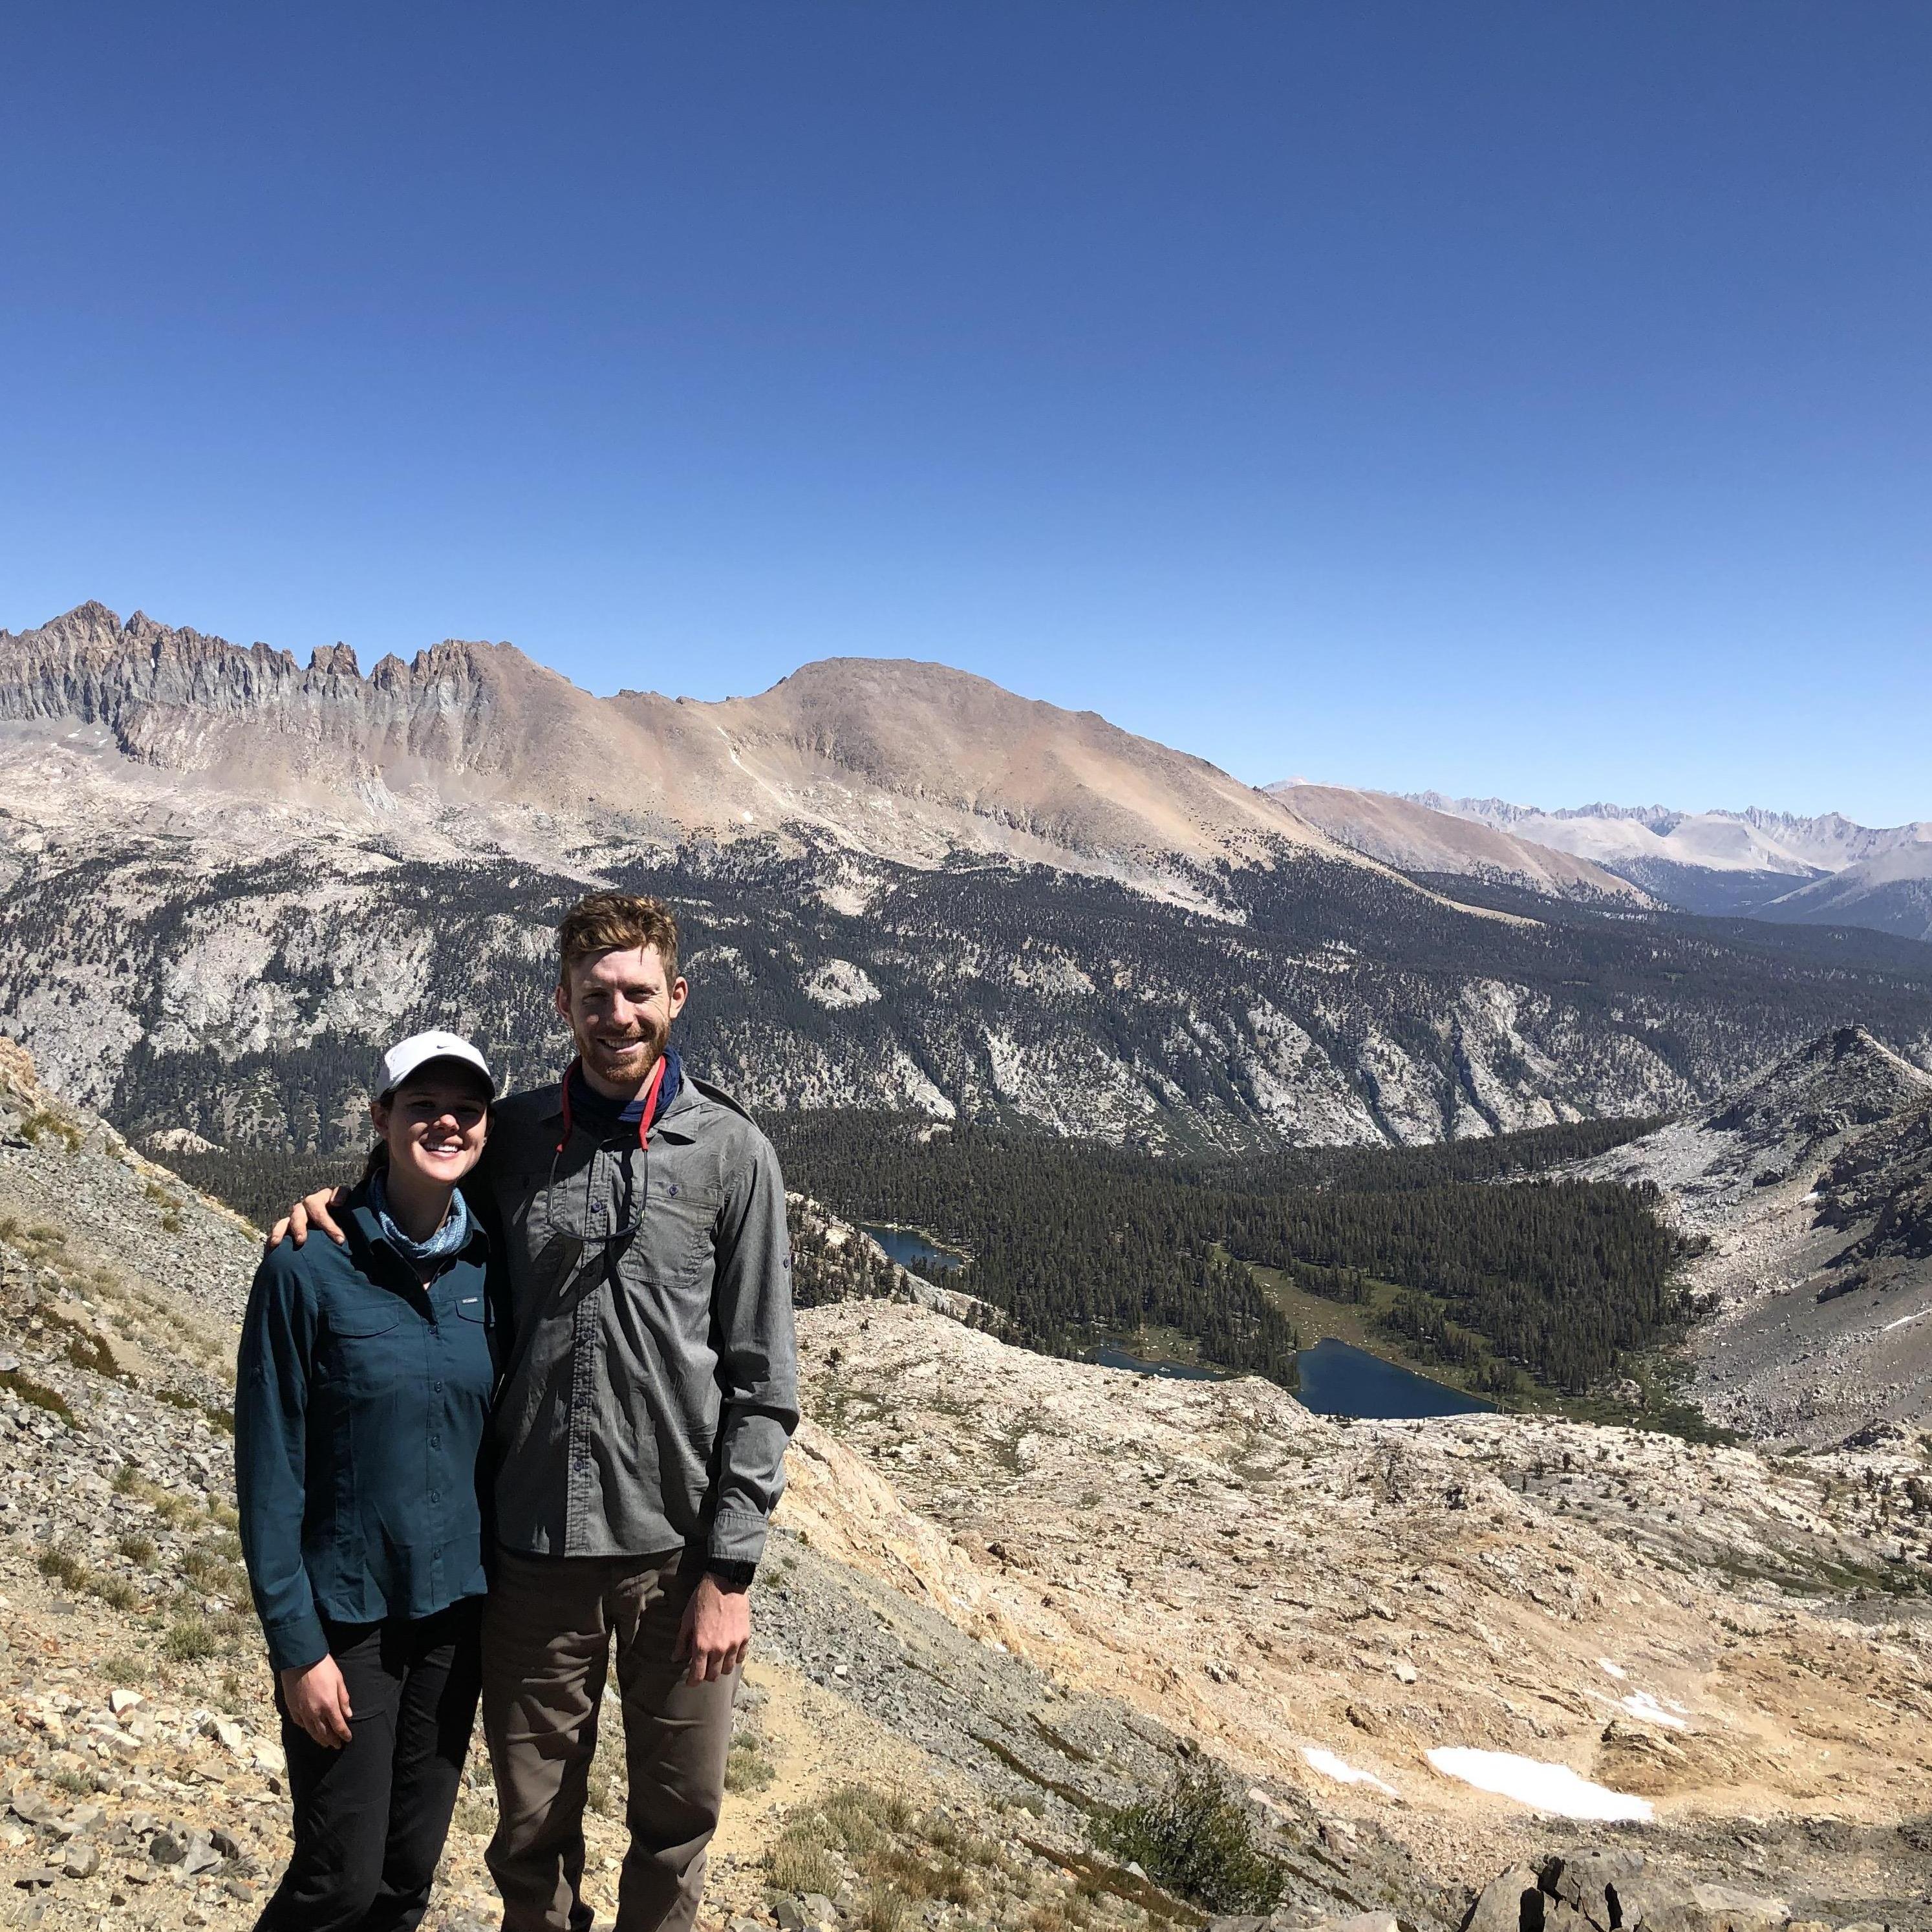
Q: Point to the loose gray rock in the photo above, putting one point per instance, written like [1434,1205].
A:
[199,1856]
[1509,1903]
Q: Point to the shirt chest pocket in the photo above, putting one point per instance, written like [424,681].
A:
[680,1226]
[369,1346]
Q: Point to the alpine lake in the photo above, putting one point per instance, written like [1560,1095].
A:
[910,1247]
[1336,1376]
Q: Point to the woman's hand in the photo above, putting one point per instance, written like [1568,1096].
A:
[318,1700]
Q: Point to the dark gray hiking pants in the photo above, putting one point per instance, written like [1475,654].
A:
[547,1633]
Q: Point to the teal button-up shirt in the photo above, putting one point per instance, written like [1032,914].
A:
[362,1399]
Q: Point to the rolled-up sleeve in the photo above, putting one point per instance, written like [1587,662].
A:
[758,1358]
[272,1387]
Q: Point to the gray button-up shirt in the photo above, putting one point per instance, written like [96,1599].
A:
[652,1376]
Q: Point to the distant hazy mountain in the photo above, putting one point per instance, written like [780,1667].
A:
[1420,836]
[223,873]
[1769,865]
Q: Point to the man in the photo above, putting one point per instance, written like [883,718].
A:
[649,1389]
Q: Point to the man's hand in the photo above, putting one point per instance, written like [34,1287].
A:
[317,1211]
[318,1700]
[716,1632]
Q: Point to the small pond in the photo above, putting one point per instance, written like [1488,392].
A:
[1336,1379]
[909,1248]
[1339,1379]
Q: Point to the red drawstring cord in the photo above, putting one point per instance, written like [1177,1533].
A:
[653,1087]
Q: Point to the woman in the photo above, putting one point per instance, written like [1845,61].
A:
[364,1383]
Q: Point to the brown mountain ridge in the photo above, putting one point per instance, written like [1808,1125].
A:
[909,760]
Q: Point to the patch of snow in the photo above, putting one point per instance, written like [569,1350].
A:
[1641,1704]
[1342,1772]
[1552,1788]
[1610,1670]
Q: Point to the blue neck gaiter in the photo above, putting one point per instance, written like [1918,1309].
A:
[447,1240]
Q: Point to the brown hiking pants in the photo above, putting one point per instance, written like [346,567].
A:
[547,1632]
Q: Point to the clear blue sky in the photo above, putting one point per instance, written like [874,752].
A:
[1533,399]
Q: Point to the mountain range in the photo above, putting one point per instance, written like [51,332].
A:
[1421,836]
[225,873]
[911,762]
[1768,865]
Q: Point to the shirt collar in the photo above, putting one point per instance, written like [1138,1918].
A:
[677,1097]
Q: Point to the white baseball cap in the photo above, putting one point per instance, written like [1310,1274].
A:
[407,1056]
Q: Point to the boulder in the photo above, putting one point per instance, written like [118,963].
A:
[1592,1882]
[1512,1901]
[199,1855]
[1657,1903]
[1597,1888]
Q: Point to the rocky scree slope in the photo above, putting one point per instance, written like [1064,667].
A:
[1324,1606]
[1809,1191]
[1004,1593]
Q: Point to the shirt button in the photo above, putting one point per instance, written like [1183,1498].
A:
[436,1441]
[434,1497]
[438,1387]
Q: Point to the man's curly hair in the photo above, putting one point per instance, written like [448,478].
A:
[615,923]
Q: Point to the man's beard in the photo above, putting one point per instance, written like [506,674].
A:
[630,1071]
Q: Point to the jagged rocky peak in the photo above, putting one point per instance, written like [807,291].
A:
[89,648]
[259,722]
[1843,1079]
